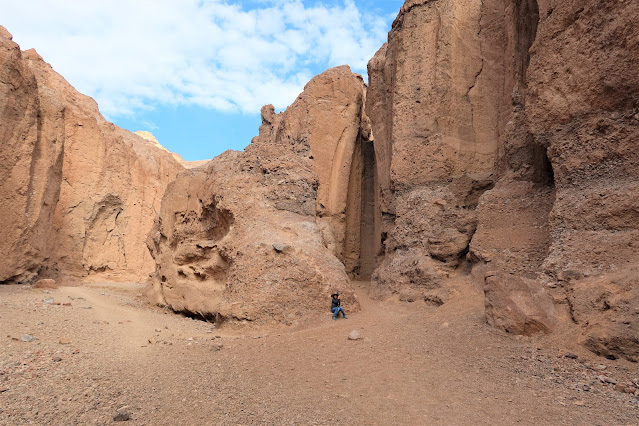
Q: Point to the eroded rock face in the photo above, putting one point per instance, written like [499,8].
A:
[583,97]
[437,101]
[568,170]
[258,236]
[505,135]
[518,305]
[79,193]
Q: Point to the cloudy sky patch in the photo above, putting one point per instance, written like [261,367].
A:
[145,60]
[136,54]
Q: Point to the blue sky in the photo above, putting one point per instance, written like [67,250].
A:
[196,72]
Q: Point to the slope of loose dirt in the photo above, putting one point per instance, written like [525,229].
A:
[415,365]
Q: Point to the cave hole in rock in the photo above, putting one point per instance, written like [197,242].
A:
[543,173]
[201,316]
[218,221]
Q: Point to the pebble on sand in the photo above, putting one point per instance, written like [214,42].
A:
[122,416]
[28,338]
[354,335]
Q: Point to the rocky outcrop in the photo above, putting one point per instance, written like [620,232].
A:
[258,236]
[582,105]
[504,134]
[438,99]
[518,305]
[568,171]
[79,193]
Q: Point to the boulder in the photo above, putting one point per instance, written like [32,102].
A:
[606,308]
[518,305]
[355,335]
[257,237]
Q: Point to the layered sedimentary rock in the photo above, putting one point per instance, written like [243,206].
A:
[258,236]
[79,194]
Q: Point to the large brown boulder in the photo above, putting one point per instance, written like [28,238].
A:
[518,305]
[258,236]
[607,308]
[79,193]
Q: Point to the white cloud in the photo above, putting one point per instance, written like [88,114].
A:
[137,54]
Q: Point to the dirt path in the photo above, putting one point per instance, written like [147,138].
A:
[415,365]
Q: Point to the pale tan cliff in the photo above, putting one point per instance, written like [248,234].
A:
[438,100]
[80,194]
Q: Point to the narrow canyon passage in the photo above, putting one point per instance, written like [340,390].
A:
[368,244]
[360,245]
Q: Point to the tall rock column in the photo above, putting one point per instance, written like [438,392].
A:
[438,99]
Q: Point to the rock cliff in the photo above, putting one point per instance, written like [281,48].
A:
[79,193]
[504,134]
[577,144]
[439,98]
[258,236]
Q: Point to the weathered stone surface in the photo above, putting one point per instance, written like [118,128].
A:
[607,308]
[568,168]
[250,238]
[437,98]
[79,193]
[506,130]
[518,305]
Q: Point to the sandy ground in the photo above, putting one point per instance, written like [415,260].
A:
[416,365]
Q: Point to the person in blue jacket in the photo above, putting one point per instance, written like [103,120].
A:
[336,306]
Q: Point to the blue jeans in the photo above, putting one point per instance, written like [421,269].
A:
[337,310]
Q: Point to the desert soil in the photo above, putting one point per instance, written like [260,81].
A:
[109,352]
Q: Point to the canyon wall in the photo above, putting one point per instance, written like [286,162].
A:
[570,175]
[438,100]
[79,193]
[504,135]
[260,236]
[496,139]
